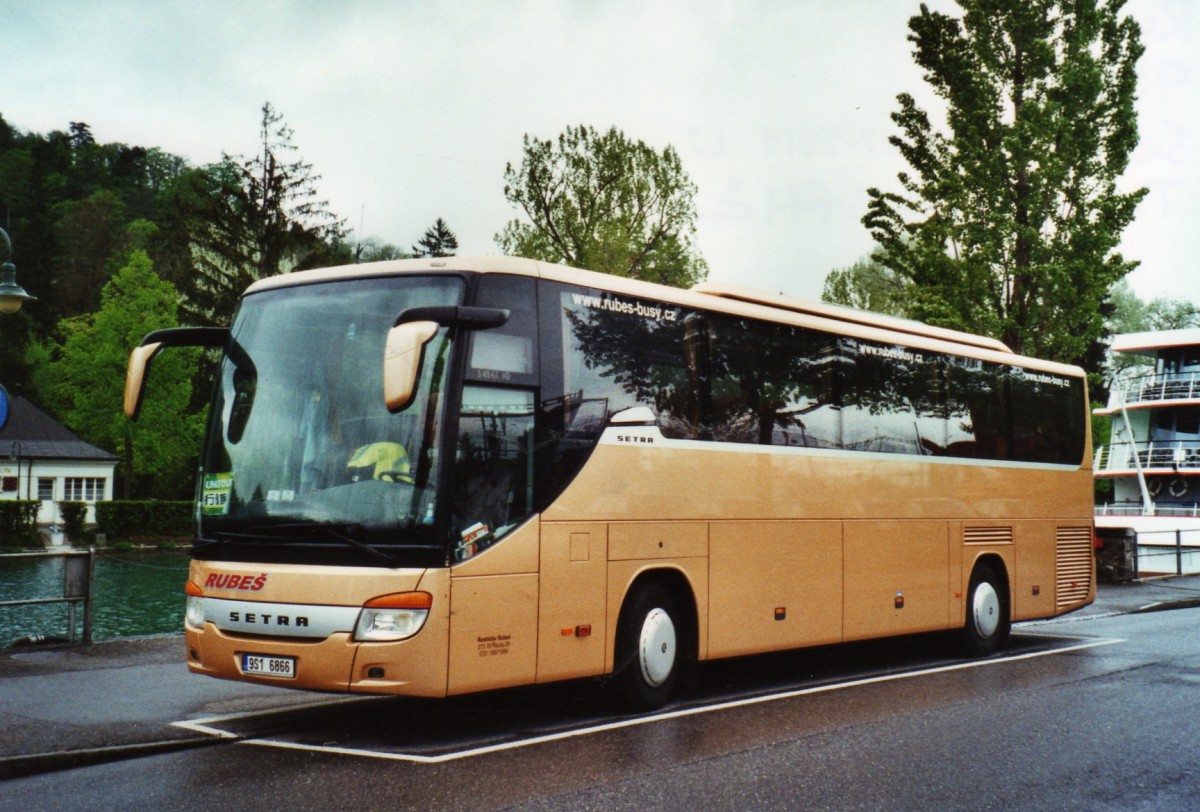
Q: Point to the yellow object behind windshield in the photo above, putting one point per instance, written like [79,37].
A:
[390,461]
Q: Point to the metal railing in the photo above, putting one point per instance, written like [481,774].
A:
[1128,555]
[1135,509]
[1161,552]
[1161,388]
[1168,455]
[79,567]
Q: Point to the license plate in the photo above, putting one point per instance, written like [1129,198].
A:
[261,665]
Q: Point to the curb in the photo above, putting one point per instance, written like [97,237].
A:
[21,766]
[1163,606]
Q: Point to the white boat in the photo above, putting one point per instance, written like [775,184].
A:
[1153,458]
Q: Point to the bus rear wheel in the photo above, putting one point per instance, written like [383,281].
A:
[648,646]
[988,620]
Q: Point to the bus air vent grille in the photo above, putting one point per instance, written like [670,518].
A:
[987,535]
[1073,566]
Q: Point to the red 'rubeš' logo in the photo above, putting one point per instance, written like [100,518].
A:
[231,580]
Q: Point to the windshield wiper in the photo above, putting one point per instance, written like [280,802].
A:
[222,537]
[333,532]
[338,528]
[353,542]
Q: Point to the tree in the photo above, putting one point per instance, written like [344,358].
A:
[1129,313]
[1166,313]
[91,232]
[373,249]
[86,381]
[866,285]
[603,202]
[67,202]
[439,241]
[1008,226]
[251,218]
[1132,315]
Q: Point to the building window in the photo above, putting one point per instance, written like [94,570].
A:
[46,489]
[83,489]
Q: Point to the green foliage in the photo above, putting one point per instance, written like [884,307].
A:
[250,218]
[370,249]
[18,523]
[159,450]
[439,241]
[1009,224]
[866,285]
[65,201]
[1167,313]
[73,514]
[91,233]
[1102,488]
[1127,312]
[125,519]
[78,210]
[603,202]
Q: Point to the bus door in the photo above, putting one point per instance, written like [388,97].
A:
[493,540]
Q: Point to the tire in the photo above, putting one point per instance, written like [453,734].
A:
[988,617]
[649,642]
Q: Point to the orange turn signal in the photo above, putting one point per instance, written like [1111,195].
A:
[401,600]
[191,589]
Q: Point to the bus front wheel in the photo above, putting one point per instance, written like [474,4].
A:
[988,620]
[648,639]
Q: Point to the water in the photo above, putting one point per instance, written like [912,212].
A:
[134,594]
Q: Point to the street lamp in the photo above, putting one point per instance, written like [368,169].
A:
[12,295]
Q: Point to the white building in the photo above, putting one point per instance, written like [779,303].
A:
[41,459]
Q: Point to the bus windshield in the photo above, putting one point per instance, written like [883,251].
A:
[304,462]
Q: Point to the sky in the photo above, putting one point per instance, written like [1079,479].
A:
[409,111]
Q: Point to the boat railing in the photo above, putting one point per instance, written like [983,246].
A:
[1159,388]
[1170,455]
[1135,509]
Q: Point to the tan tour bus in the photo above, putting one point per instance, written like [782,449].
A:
[432,477]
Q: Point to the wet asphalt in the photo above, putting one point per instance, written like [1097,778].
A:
[67,707]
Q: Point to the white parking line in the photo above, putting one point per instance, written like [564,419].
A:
[206,725]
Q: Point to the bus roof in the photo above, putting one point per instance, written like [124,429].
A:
[840,313]
[708,295]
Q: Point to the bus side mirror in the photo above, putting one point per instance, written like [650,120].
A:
[139,359]
[135,377]
[402,361]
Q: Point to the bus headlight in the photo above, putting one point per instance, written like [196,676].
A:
[193,617]
[392,617]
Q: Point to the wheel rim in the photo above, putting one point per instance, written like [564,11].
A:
[985,608]
[657,647]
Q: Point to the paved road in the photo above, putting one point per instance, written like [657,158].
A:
[896,725]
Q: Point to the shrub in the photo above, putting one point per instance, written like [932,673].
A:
[18,523]
[72,515]
[125,519]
